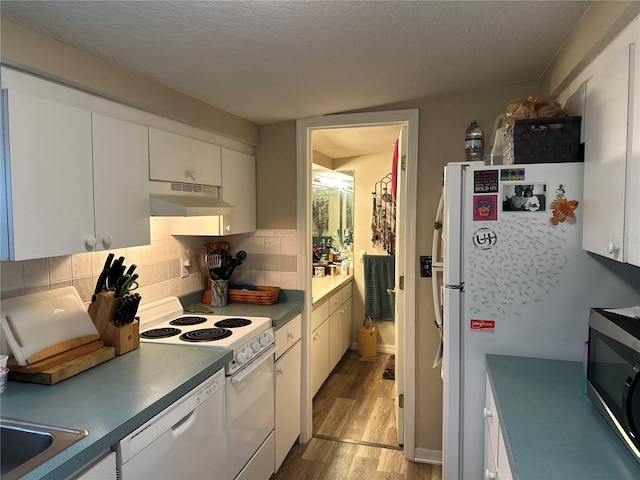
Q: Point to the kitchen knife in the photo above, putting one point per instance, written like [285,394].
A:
[119,314]
[102,279]
[135,303]
[115,272]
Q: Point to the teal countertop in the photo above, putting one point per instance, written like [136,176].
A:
[110,400]
[289,304]
[551,429]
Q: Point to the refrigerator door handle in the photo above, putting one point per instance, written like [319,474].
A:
[456,287]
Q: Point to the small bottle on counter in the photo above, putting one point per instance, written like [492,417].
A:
[344,266]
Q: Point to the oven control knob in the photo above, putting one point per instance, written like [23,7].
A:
[241,358]
[248,352]
[265,340]
[255,346]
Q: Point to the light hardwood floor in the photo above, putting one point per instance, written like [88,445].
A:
[354,431]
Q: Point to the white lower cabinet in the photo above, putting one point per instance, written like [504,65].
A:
[288,375]
[496,460]
[319,356]
[102,468]
[288,378]
[331,327]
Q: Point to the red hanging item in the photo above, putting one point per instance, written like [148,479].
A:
[394,169]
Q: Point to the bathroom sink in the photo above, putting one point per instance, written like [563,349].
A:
[26,445]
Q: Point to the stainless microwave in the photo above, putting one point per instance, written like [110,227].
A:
[613,373]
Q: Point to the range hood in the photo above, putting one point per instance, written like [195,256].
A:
[175,199]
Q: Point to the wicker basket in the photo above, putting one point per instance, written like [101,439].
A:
[261,296]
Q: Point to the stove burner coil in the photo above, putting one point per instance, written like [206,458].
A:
[165,332]
[188,321]
[205,335]
[233,322]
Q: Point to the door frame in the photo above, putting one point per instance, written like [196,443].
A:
[304,129]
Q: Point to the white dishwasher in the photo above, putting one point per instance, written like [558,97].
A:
[187,440]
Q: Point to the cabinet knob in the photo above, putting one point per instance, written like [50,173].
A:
[487,413]
[289,334]
[227,227]
[488,475]
[280,370]
[107,240]
[192,174]
[613,248]
[90,242]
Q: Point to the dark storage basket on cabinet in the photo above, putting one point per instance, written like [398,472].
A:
[548,145]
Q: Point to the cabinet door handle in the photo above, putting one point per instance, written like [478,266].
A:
[488,475]
[613,248]
[90,242]
[289,334]
[280,370]
[487,413]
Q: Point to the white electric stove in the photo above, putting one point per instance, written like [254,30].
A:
[164,321]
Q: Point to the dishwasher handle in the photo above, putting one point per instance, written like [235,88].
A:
[239,377]
[184,423]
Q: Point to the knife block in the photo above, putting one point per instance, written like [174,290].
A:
[123,338]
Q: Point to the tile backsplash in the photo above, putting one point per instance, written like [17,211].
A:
[271,260]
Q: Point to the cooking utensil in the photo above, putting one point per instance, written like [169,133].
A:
[220,261]
[125,284]
[202,261]
[238,260]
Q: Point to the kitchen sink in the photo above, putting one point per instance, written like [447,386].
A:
[26,445]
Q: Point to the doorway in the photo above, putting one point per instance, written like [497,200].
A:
[407,121]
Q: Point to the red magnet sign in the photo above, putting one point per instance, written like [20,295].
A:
[482,325]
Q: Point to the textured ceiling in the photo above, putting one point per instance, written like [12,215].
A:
[348,142]
[272,61]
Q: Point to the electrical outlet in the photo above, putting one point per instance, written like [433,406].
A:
[186,263]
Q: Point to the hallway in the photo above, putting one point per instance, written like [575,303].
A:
[354,429]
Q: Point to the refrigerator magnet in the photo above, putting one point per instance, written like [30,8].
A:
[485,181]
[484,239]
[485,207]
[511,174]
[523,197]
[482,325]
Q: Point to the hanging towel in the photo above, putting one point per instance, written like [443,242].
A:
[379,274]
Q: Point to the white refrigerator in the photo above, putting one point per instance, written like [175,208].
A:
[516,282]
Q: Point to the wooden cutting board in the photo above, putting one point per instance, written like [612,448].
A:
[60,372]
[44,324]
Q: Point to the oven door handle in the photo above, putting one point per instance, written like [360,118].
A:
[631,389]
[255,364]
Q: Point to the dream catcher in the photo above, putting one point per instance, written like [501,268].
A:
[383,219]
[320,206]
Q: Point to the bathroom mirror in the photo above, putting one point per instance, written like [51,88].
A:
[332,209]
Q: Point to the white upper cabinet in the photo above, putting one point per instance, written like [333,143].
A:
[75,181]
[612,155]
[239,189]
[48,178]
[175,158]
[121,172]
